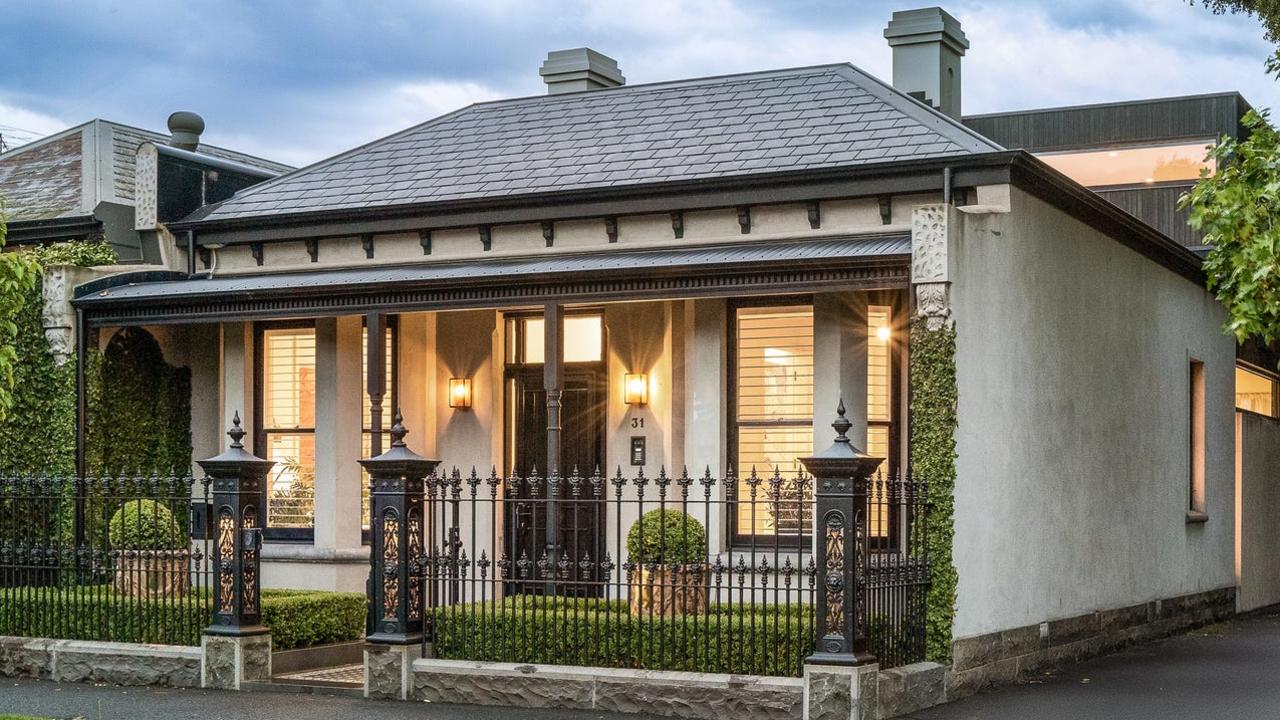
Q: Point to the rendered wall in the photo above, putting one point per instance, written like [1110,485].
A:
[1257,511]
[1072,476]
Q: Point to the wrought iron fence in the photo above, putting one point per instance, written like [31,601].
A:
[115,559]
[684,572]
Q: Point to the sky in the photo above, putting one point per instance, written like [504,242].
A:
[299,81]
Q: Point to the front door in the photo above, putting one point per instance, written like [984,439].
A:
[580,541]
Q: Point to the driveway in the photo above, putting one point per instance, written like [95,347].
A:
[1224,671]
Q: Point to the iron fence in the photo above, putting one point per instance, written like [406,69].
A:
[113,559]
[694,573]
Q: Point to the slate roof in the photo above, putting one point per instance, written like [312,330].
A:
[804,118]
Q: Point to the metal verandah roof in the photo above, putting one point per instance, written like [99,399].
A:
[752,267]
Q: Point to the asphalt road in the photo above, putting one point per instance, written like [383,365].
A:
[1223,672]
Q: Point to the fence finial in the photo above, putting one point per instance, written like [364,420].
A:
[236,432]
[841,424]
[397,430]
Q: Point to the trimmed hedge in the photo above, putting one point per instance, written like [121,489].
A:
[773,640]
[297,618]
[305,618]
[145,525]
[666,536]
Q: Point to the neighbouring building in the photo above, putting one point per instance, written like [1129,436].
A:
[692,274]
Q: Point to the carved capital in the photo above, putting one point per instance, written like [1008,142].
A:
[933,303]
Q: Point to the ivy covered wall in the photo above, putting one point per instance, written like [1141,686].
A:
[933,456]
[139,406]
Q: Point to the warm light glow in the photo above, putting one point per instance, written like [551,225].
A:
[1182,162]
[637,386]
[883,332]
[460,393]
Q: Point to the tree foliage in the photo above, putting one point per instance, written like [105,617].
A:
[18,275]
[1267,11]
[1238,210]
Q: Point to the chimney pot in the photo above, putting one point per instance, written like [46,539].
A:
[579,69]
[927,46]
[184,130]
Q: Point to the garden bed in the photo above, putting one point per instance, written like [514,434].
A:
[729,638]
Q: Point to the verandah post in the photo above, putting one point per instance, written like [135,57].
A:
[396,608]
[841,675]
[237,648]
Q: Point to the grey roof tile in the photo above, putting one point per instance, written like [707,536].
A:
[833,115]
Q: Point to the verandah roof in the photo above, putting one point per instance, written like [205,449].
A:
[855,261]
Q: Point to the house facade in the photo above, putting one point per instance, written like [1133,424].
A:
[693,275]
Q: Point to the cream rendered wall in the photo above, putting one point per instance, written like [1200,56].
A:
[1257,511]
[1072,367]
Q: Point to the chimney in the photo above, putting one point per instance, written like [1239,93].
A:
[579,69]
[927,46]
[184,130]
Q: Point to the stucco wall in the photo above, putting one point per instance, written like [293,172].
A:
[1072,366]
[1257,511]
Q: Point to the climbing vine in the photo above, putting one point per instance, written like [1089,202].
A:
[933,456]
[18,277]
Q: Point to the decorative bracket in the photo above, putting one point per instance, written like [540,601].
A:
[206,257]
[815,214]
[366,241]
[313,248]
[744,219]
[424,239]
[611,228]
[549,232]
[256,249]
[677,223]
[886,209]
[486,237]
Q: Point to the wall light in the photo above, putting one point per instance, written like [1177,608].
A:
[637,388]
[460,393]
[883,332]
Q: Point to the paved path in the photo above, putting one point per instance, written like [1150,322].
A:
[72,700]
[1224,672]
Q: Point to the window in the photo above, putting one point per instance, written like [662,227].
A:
[286,380]
[390,399]
[773,407]
[1134,165]
[1195,503]
[583,339]
[1255,392]
[880,405]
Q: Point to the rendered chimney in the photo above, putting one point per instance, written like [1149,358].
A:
[184,130]
[927,46]
[579,69]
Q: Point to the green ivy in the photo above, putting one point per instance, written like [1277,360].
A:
[18,279]
[933,457]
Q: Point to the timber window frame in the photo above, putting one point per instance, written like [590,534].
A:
[264,432]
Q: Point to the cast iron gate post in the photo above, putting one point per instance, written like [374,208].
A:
[239,478]
[237,648]
[396,480]
[841,475]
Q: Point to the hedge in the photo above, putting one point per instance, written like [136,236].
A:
[771,640]
[297,618]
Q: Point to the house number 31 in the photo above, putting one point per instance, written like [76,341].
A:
[637,422]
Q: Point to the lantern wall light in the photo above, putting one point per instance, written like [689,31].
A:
[637,388]
[460,393]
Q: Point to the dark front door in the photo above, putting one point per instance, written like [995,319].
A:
[579,542]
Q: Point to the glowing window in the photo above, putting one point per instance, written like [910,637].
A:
[774,410]
[583,339]
[1133,166]
[288,382]
[1255,392]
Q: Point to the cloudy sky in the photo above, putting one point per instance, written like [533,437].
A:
[296,85]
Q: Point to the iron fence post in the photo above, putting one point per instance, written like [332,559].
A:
[396,480]
[841,474]
[238,479]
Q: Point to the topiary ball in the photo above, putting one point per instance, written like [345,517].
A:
[145,525]
[667,537]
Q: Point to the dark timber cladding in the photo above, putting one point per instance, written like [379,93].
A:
[1143,121]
